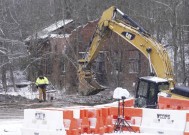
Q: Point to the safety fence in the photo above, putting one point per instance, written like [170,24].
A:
[104,119]
[172,104]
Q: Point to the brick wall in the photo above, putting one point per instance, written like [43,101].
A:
[58,45]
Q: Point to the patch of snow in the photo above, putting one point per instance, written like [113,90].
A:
[25,89]
[59,35]
[56,26]
[11,127]
[24,92]
[154,79]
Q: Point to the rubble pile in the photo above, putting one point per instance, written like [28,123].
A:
[12,99]
[100,98]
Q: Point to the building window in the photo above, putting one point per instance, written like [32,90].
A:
[100,62]
[133,61]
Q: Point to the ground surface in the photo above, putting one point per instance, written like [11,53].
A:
[12,107]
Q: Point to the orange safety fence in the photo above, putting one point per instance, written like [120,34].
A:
[172,104]
[128,102]
[85,125]
[91,120]
[186,132]
[102,119]
[132,115]
[74,127]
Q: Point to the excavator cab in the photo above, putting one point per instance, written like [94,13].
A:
[147,91]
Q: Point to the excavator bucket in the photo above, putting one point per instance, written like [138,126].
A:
[89,86]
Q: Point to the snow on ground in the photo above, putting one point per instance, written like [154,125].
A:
[24,87]
[24,92]
[15,129]
[11,126]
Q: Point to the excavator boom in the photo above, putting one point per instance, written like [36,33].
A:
[132,33]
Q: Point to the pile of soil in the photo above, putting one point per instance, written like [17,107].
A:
[102,97]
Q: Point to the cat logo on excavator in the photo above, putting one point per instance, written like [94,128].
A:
[128,35]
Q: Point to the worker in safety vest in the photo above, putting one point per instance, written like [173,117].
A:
[41,84]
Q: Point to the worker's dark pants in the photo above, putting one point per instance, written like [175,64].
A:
[42,94]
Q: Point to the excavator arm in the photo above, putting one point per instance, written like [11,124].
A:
[159,62]
[154,51]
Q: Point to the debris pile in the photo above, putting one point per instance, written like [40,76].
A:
[13,99]
[100,98]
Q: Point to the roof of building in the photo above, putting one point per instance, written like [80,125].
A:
[48,31]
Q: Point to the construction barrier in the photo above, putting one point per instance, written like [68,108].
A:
[172,104]
[43,122]
[166,122]
[186,131]
[104,119]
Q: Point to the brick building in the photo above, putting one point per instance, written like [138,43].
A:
[45,49]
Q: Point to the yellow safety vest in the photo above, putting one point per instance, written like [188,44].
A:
[42,81]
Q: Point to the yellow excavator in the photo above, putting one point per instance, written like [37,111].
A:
[161,77]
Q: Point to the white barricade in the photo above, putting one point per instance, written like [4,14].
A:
[43,122]
[164,122]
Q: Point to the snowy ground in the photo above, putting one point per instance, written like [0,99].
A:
[10,126]
[13,103]
[11,115]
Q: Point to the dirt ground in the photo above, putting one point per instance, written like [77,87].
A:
[12,107]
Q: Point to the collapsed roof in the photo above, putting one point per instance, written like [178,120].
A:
[50,30]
